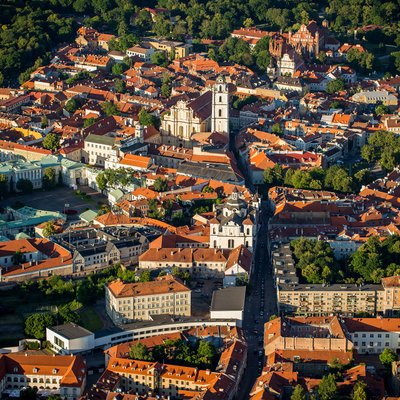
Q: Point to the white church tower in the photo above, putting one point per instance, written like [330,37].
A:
[220,107]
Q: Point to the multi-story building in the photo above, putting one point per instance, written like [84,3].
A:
[311,343]
[98,148]
[127,302]
[373,335]
[327,299]
[59,375]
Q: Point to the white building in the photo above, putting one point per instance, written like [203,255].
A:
[69,339]
[128,302]
[141,52]
[235,224]
[98,148]
[373,335]
[228,303]
[220,107]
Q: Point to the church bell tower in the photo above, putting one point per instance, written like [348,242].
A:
[220,107]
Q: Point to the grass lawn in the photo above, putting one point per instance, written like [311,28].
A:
[90,319]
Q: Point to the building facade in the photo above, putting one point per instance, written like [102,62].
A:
[127,302]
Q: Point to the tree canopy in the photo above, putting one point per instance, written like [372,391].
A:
[382,147]
[51,142]
[36,324]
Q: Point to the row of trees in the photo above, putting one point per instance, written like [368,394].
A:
[382,147]
[369,264]
[333,178]
[32,29]
[200,354]
[327,390]
[376,259]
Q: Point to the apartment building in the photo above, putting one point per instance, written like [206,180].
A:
[127,302]
[321,299]
[373,335]
[60,375]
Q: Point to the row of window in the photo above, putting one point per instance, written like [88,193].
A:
[371,335]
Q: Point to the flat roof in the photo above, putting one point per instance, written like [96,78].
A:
[229,299]
[71,331]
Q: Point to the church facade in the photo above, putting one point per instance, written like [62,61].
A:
[207,113]
[235,223]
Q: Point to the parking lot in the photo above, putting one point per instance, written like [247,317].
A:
[56,199]
[202,293]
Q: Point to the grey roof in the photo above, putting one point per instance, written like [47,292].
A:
[100,139]
[219,172]
[229,299]
[71,331]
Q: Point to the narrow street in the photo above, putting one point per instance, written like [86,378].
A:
[260,305]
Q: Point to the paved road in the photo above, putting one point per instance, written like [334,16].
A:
[260,305]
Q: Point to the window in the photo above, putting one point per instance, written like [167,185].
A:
[219,113]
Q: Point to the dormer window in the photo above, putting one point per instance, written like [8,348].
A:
[55,370]
[15,370]
[35,370]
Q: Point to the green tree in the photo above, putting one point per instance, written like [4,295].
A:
[327,389]
[181,274]
[118,69]
[335,86]
[67,315]
[248,23]
[205,354]
[36,324]
[359,391]
[28,393]
[86,292]
[102,181]
[143,21]
[207,189]
[51,142]
[382,109]
[139,351]
[159,58]
[4,185]
[24,186]
[49,178]
[1,79]
[161,185]
[166,86]
[298,393]
[277,129]
[145,276]
[49,229]
[89,122]
[147,119]
[110,108]
[72,105]
[120,86]
[387,357]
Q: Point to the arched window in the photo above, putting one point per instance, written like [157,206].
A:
[220,99]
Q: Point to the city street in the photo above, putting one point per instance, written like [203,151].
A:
[260,305]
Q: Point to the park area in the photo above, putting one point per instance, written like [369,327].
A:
[26,310]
